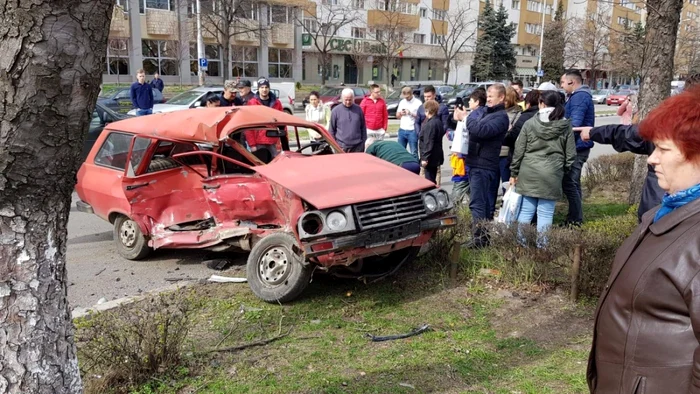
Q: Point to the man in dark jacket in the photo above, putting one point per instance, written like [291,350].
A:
[430,142]
[487,128]
[157,83]
[347,124]
[228,98]
[581,111]
[244,92]
[443,114]
[141,94]
[625,138]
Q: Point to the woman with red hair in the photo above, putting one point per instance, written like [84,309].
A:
[647,328]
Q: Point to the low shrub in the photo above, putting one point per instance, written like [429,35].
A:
[129,345]
[608,169]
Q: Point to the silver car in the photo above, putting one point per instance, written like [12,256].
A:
[599,96]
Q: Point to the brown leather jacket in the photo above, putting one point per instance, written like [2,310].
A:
[647,328]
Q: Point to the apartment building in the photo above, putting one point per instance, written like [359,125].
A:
[687,59]
[160,36]
[423,26]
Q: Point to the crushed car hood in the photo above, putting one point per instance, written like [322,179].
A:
[342,179]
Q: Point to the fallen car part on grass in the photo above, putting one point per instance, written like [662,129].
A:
[417,331]
[226,279]
[217,264]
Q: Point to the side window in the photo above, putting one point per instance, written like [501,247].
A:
[137,154]
[114,151]
[122,95]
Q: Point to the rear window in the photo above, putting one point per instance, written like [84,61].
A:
[114,151]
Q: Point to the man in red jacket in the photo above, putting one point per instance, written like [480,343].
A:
[376,114]
[257,139]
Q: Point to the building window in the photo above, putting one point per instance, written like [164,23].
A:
[336,71]
[358,4]
[118,56]
[245,62]
[515,26]
[423,12]
[124,4]
[278,14]
[310,25]
[515,4]
[379,35]
[397,6]
[693,2]
[439,15]
[330,2]
[419,38]
[161,56]
[623,21]
[436,39]
[534,6]
[156,5]
[248,10]
[213,55]
[280,63]
[358,32]
[533,28]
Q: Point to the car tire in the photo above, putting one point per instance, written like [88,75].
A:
[286,110]
[131,243]
[275,272]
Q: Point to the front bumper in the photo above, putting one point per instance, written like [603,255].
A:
[377,238]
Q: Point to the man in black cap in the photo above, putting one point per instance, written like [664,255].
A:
[244,93]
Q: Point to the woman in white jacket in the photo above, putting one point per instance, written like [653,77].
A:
[318,113]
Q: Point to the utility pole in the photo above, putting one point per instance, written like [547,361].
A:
[202,63]
[539,55]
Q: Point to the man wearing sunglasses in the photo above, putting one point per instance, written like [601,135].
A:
[581,111]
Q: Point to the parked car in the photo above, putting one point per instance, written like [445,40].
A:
[331,95]
[193,98]
[185,180]
[101,117]
[618,97]
[451,99]
[120,101]
[599,96]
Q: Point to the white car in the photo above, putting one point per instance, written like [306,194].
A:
[599,96]
[193,98]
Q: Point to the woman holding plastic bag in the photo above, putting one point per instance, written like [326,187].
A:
[544,151]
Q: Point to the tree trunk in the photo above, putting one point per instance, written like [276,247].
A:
[447,73]
[225,70]
[657,70]
[50,72]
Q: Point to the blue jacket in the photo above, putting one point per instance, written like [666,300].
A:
[487,128]
[443,114]
[158,84]
[581,111]
[141,95]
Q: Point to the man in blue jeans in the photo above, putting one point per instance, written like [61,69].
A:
[407,113]
[487,127]
[141,94]
[581,111]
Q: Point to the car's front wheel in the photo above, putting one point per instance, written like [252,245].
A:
[275,272]
[131,243]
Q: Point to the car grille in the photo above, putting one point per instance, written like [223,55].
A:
[390,211]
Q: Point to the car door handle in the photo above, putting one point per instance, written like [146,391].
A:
[132,187]
[211,187]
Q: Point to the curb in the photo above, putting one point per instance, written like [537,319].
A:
[82,312]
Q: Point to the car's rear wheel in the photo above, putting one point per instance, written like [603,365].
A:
[288,111]
[275,272]
[131,243]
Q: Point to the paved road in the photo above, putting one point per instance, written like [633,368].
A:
[95,270]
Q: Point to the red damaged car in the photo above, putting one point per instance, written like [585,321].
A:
[186,180]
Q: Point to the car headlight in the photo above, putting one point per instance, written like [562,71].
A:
[336,221]
[312,224]
[430,203]
[443,199]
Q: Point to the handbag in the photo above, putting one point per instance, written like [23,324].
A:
[511,206]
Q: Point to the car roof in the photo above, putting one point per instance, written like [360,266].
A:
[205,124]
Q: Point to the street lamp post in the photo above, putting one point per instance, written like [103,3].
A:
[200,45]
[539,57]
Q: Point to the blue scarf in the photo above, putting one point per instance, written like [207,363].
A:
[673,201]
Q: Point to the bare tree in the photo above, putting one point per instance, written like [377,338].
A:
[321,24]
[688,51]
[360,55]
[52,61]
[590,48]
[391,31]
[461,34]
[227,19]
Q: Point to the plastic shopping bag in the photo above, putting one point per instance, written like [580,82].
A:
[511,206]
[460,143]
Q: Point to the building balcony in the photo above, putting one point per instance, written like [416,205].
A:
[246,31]
[120,23]
[389,19]
[161,22]
[282,33]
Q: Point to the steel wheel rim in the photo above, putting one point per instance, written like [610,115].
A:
[274,266]
[127,233]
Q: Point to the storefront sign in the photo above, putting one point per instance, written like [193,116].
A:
[347,45]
